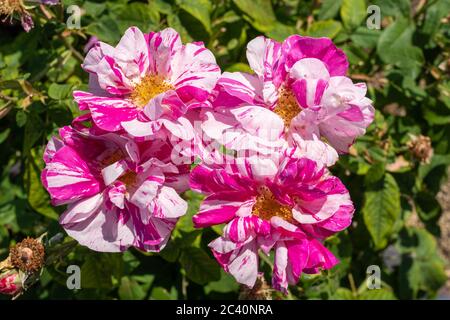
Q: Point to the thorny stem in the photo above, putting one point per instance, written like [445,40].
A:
[49,16]
[7,98]
[352,284]
[267,260]
[184,285]
[77,55]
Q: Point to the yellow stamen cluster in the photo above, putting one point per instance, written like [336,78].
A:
[129,178]
[112,158]
[149,87]
[267,206]
[287,107]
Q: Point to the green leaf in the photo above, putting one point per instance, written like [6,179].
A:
[395,47]
[94,9]
[427,206]
[171,252]
[393,8]
[199,9]
[141,15]
[329,9]
[343,294]
[105,29]
[365,38]
[101,270]
[199,267]
[189,239]
[381,210]
[193,199]
[327,28]
[436,161]
[377,294]
[434,15]
[59,91]
[174,22]
[4,135]
[280,31]
[434,118]
[162,6]
[260,12]
[4,241]
[130,262]
[239,67]
[159,293]
[38,197]
[226,284]
[421,268]
[21,118]
[375,173]
[353,12]
[33,131]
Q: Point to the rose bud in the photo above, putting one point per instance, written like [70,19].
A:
[10,283]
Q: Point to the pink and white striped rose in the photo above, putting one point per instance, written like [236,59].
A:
[288,207]
[119,193]
[147,83]
[298,96]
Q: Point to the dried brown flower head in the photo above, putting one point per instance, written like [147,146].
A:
[28,255]
[11,8]
[395,109]
[421,149]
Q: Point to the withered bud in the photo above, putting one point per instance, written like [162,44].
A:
[11,8]
[395,109]
[28,255]
[11,282]
[421,149]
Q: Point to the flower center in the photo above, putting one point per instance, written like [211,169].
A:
[112,158]
[267,206]
[287,107]
[129,178]
[149,87]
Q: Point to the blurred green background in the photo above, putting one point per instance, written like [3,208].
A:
[393,173]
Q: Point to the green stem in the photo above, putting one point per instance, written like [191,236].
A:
[265,259]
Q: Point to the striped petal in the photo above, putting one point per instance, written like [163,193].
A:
[242,86]
[92,225]
[194,72]
[310,80]
[162,46]
[265,59]
[107,112]
[345,112]
[68,177]
[240,261]
[298,47]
